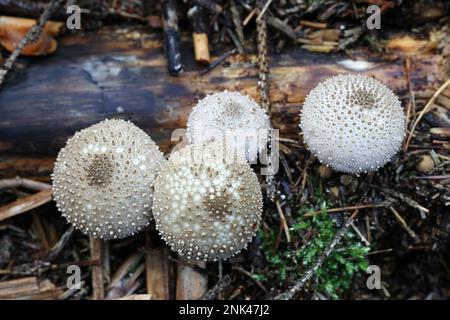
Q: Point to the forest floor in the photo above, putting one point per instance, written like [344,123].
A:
[401,211]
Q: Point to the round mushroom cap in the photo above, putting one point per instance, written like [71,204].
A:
[209,209]
[353,123]
[103,179]
[232,118]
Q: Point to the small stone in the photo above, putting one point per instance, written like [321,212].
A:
[426,164]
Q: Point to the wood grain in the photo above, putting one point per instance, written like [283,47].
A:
[123,73]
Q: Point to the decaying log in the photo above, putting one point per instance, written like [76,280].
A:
[123,73]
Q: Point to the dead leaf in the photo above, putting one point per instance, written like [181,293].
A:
[409,45]
[11,38]
[12,30]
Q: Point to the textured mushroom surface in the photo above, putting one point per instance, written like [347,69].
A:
[206,210]
[353,123]
[233,118]
[103,179]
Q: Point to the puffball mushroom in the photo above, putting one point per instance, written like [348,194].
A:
[233,118]
[103,179]
[208,209]
[353,123]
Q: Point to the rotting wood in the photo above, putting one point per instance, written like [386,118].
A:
[107,74]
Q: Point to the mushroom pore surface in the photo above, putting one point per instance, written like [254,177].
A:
[103,179]
[353,123]
[206,211]
[232,117]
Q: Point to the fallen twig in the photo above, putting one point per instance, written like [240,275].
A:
[403,223]
[126,280]
[23,183]
[219,60]
[359,206]
[427,108]
[172,38]
[59,246]
[403,198]
[248,274]
[283,221]
[237,21]
[25,204]
[263,86]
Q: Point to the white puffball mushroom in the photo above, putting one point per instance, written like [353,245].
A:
[233,118]
[353,123]
[103,179]
[210,209]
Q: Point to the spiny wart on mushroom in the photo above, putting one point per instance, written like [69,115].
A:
[103,179]
[207,210]
[233,118]
[353,123]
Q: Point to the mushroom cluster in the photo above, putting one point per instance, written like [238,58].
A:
[232,118]
[353,123]
[103,179]
[207,208]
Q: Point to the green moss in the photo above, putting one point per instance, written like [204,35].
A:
[312,236]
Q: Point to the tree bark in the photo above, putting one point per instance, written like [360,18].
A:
[116,73]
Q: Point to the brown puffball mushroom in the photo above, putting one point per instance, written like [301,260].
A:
[103,179]
[231,117]
[207,208]
[353,123]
